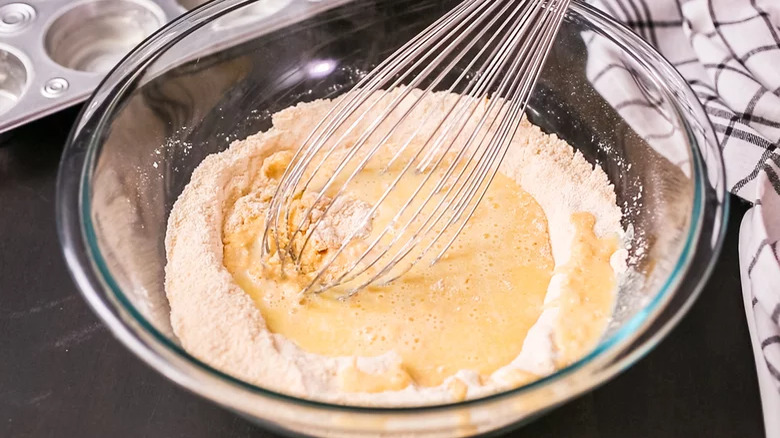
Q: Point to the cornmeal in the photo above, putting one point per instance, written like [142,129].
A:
[528,286]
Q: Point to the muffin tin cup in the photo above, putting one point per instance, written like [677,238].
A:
[13,79]
[54,53]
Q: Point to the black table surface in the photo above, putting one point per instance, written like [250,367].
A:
[62,373]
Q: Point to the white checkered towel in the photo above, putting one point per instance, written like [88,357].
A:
[729,52]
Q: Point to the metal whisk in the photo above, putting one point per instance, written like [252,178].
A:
[489,52]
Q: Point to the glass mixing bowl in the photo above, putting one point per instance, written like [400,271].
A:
[219,72]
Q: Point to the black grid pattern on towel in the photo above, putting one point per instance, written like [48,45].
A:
[726,56]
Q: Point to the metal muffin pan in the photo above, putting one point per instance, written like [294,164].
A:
[53,53]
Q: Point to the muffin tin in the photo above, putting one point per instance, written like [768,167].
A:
[53,53]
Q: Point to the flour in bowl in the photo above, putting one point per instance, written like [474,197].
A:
[527,288]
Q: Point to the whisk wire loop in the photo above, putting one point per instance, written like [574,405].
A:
[474,86]
[542,47]
[433,220]
[504,45]
[347,107]
[489,156]
[376,122]
[364,87]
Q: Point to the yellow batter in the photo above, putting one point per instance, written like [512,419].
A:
[470,311]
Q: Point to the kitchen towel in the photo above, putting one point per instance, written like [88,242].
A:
[729,53]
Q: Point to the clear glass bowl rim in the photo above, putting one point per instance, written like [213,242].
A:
[77,233]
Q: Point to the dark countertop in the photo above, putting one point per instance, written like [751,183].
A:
[62,374]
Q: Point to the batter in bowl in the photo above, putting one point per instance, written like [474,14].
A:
[527,288]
